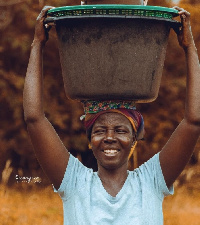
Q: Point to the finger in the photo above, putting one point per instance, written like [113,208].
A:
[178,8]
[44,11]
[181,11]
[47,27]
[184,15]
[183,18]
[46,8]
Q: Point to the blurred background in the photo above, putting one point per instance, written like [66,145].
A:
[26,195]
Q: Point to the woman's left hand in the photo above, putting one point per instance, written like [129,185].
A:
[184,34]
[176,153]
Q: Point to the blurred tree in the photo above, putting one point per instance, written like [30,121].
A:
[160,3]
[17,26]
[163,115]
[17,20]
[192,2]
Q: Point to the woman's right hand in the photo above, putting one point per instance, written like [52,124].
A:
[41,30]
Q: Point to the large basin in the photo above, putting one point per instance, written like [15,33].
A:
[110,52]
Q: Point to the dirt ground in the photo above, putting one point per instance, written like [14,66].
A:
[184,206]
[43,206]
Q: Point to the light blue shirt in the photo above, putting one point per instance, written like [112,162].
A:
[139,202]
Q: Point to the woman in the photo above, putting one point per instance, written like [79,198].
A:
[113,195]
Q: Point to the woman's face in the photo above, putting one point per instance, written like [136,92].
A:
[111,139]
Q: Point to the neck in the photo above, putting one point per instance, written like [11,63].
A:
[118,175]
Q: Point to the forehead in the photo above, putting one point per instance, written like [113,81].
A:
[112,119]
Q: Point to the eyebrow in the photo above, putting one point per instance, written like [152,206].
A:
[115,127]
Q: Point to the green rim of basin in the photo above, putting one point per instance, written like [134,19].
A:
[114,10]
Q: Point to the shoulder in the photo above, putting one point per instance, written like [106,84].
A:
[151,177]
[76,167]
[75,177]
[149,166]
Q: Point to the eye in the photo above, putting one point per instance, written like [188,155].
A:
[120,131]
[99,131]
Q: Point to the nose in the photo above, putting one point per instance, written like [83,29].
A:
[110,136]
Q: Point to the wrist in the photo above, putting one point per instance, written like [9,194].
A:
[38,43]
[190,47]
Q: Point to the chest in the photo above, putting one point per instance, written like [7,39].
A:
[93,204]
[112,188]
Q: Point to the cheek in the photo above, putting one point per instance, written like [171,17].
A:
[126,141]
[95,144]
[96,140]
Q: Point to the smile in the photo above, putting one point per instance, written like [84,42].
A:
[110,152]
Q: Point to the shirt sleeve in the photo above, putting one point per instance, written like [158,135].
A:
[153,177]
[75,177]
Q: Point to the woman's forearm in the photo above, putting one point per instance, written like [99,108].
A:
[192,107]
[33,87]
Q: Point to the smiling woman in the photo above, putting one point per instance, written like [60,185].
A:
[112,195]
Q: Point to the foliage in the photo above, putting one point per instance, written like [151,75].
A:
[161,116]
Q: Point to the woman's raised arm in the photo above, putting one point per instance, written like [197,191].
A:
[50,151]
[178,150]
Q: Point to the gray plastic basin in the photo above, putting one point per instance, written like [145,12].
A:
[112,57]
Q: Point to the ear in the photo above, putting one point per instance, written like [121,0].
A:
[145,2]
[90,146]
[133,140]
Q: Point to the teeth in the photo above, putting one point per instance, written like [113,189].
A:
[110,152]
